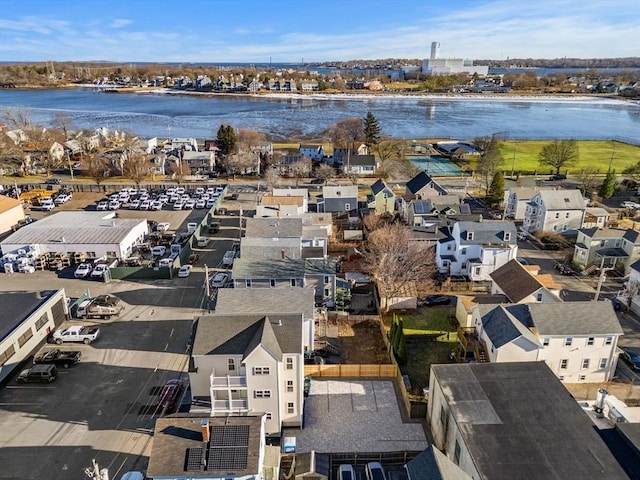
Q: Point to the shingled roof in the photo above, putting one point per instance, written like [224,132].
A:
[515,281]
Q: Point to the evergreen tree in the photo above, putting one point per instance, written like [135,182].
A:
[402,350]
[609,185]
[371,130]
[496,190]
[226,139]
[392,330]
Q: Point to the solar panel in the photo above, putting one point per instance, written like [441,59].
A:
[227,458]
[230,436]
[194,459]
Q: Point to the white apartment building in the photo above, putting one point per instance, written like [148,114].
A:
[555,211]
[251,363]
[476,249]
[516,200]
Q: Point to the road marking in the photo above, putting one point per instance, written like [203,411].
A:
[20,403]
[166,347]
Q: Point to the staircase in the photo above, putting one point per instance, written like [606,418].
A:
[589,270]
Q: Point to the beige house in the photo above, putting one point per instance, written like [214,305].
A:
[11,213]
[251,363]
[524,284]
[608,247]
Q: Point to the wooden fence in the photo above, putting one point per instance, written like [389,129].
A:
[353,371]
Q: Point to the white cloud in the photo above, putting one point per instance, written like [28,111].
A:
[120,22]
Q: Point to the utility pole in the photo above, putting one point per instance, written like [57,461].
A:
[206,281]
[513,162]
[601,279]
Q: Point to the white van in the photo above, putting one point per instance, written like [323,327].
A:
[158,251]
[228,258]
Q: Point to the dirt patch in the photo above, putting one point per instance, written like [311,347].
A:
[362,343]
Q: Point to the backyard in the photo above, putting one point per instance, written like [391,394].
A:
[430,335]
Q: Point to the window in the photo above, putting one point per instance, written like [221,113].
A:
[269,415]
[7,354]
[603,243]
[291,408]
[261,370]
[566,215]
[585,363]
[272,283]
[327,292]
[568,341]
[443,415]
[469,235]
[590,341]
[561,378]
[507,236]
[262,394]
[478,270]
[347,207]
[565,227]
[545,342]
[42,321]
[247,283]
[232,364]
[293,282]
[456,453]
[463,251]
[555,228]
[539,297]
[24,338]
[557,214]
[289,385]
[326,279]
[289,363]
[608,340]
[603,363]
[564,363]
[582,378]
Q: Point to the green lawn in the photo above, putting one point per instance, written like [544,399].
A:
[593,153]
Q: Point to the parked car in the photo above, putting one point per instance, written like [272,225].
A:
[522,261]
[62,198]
[114,204]
[166,262]
[563,268]
[52,181]
[163,226]
[184,271]
[374,471]
[38,374]
[203,241]
[558,176]
[211,202]
[214,227]
[159,251]
[631,357]
[433,300]
[629,204]
[102,205]
[170,395]
[190,204]
[155,205]
[192,227]
[193,259]
[200,204]
[82,270]
[178,205]
[99,271]
[47,205]
[57,357]
[219,280]
[346,472]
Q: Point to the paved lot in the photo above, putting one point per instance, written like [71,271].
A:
[362,415]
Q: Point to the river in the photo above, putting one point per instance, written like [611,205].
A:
[295,117]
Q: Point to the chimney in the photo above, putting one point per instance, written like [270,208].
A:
[204,428]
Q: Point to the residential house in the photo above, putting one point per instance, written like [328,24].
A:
[314,152]
[271,301]
[514,420]
[430,211]
[516,200]
[262,148]
[309,86]
[272,238]
[595,217]
[251,363]
[199,162]
[577,340]
[630,295]
[606,247]
[281,206]
[360,165]
[192,446]
[466,303]
[382,199]
[183,144]
[422,186]
[342,155]
[338,199]
[555,211]
[476,249]
[524,284]
[318,274]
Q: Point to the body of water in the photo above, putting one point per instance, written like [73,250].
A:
[291,117]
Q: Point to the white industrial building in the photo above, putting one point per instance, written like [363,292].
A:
[11,213]
[27,318]
[93,234]
[434,65]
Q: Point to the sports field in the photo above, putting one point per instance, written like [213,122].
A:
[435,165]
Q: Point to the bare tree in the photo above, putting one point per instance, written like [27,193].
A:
[272,177]
[97,168]
[631,291]
[241,162]
[63,122]
[248,140]
[17,117]
[589,179]
[371,222]
[135,166]
[490,159]
[301,169]
[395,261]
[559,154]
[178,171]
[325,172]
[347,134]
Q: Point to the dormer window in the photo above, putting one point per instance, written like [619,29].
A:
[469,235]
[507,236]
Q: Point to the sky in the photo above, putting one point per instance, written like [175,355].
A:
[260,31]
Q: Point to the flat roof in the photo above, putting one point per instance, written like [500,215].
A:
[87,228]
[17,306]
[8,203]
[518,417]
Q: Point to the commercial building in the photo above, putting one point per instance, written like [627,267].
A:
[92,234]
[11,213]
[434,65]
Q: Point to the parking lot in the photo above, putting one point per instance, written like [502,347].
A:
[363,415]
[105,407]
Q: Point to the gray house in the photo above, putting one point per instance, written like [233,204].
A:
[339,199]
[272,238]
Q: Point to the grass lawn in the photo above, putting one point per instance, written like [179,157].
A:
[423,352]
[593,153]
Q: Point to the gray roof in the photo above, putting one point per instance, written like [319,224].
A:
[17,306]
[274,227]
[175,436]
[362,160]
[432,464]
[342,191]
[487,232]
[240,334]
[518,421]
[562,199]
[603,232]
[282,268]
[575,318]
[97,228]
[515,281]
[523,193]
[420,181]
[502,327]
[265,301]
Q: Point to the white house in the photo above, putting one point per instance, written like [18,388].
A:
[516,200]
[555,211]
[314,152]
[514,420]
[524,284]
[577,340]
[475,249]
[360,165]
[251,363]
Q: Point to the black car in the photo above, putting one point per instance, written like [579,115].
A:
[559,176]
[52,181]
[632,358]
[433,300]
[317,181]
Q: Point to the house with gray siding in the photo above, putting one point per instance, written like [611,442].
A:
[339,199]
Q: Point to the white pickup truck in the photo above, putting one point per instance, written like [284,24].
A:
[76,333]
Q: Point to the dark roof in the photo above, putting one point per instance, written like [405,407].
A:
[379,186]
[612,252]
[274,227]
[420,181]
[362,161]
[265,301]
[17,306]
[515,281]
[502,327]
[177,447]
[632,235]
[239,334]
[432,464]
[487,232]
[421,207]
[517,420]
[635,266]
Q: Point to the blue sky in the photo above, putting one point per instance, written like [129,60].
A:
[319,30]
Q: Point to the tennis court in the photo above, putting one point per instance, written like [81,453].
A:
[436,165]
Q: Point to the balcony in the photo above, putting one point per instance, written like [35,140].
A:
[470,348]
[230,405]
[227,382]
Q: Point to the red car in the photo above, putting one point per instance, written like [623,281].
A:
[170,395]
[193,259]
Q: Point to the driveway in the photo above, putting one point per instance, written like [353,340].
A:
[349,415]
